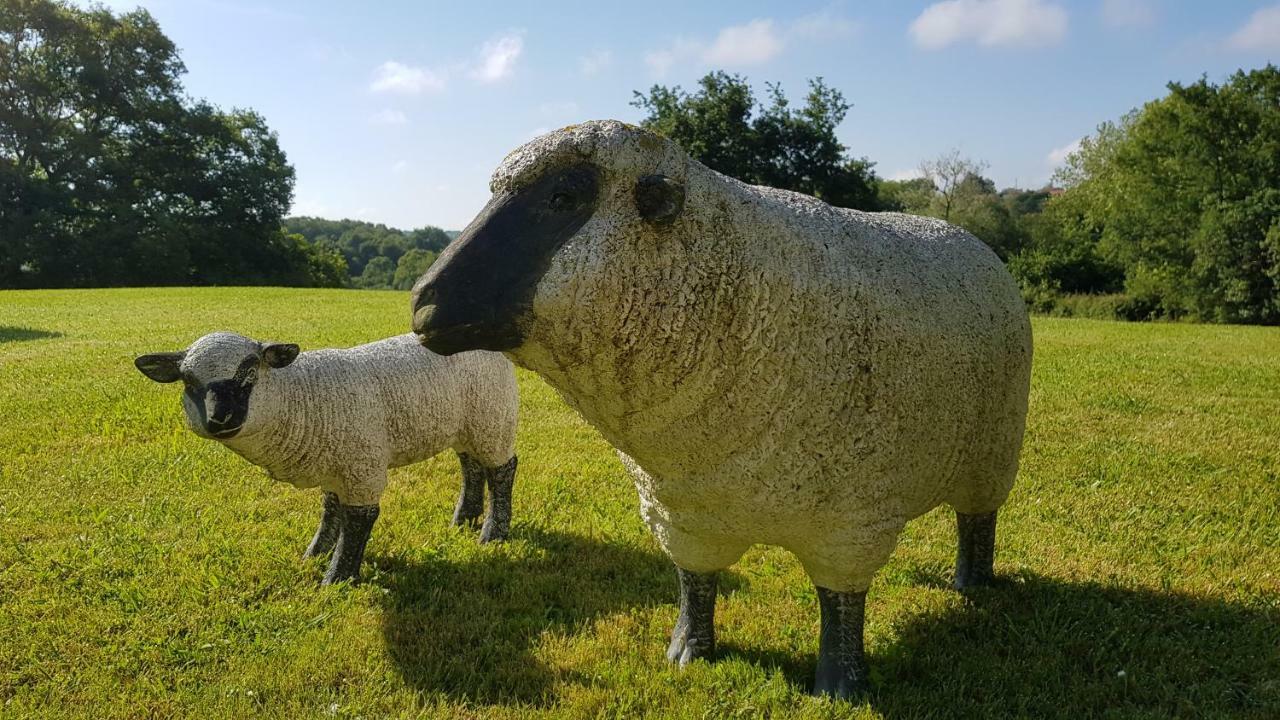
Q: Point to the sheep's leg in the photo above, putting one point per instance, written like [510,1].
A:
[842,665]
[330,526]
[694,635]
[471,500]
[497,524]
[976,551]
[357,523]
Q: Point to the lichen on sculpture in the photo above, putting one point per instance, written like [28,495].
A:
[338,419]
[771,369]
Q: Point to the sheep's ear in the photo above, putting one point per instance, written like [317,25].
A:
[659,198]
[161,367]
[279,355]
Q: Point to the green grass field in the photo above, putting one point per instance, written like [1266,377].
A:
[147,573]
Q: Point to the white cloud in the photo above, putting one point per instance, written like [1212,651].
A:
[990,23]
[680,51]
[498,57]
[751,44]
[1058,156]
[389,117]
[595,63]
[754,43]
[908,174]
[1261,32]
[820,26]
[395,77]
[400,166]
[1128,13]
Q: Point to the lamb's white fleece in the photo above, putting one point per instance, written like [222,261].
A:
[340,418]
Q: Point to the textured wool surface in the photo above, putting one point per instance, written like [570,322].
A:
[773,369]
[339,418]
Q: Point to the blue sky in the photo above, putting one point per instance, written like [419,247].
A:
[397,112]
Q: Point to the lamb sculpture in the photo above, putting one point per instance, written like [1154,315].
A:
[340,418]
[772,369]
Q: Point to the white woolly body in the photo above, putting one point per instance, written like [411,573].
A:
[339,418]
[773,369]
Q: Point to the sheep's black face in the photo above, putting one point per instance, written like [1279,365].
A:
[479,294]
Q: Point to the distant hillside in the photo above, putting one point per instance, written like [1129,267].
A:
[376,256]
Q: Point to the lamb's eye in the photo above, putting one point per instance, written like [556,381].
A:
[560,201]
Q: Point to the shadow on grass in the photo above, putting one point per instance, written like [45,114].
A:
[1037,647]
[9,333]
[469,629]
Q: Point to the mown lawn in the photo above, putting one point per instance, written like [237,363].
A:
[147,573]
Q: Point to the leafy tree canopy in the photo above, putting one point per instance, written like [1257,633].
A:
[724,127]
[1184,196]
[109,175]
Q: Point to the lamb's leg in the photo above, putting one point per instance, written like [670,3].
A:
[694,635]
[471,500]
[976,551]
[330,526]
[842,665]
[357,523]
[497,524]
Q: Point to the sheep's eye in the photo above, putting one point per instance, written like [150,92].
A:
[560,201]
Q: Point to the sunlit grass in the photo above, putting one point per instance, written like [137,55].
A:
[147,573]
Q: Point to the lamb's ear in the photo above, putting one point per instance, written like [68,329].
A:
[279,355]
[659,198]
[161,367]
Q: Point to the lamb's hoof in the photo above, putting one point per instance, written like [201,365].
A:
[684,649]
[491,532]
[840,683]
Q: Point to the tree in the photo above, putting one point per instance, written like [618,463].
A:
[724,127]
[411,267]
[949,173]
[1183,194]
[378,273]
[913,195]
[110,176]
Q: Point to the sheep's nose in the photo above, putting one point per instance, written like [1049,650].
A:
[424,306]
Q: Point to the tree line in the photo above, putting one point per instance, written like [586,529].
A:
[111,175]
[1171,212]
[373,256]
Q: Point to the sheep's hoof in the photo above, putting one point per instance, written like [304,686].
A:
[493,532]
[971,580]
[684,649]
[331,578]
[840,683]
[464,520]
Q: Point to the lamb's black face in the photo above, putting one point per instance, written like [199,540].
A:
[220,407]
[219,373]
[479,293]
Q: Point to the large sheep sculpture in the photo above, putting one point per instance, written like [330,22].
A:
[340,418]
[772,369]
